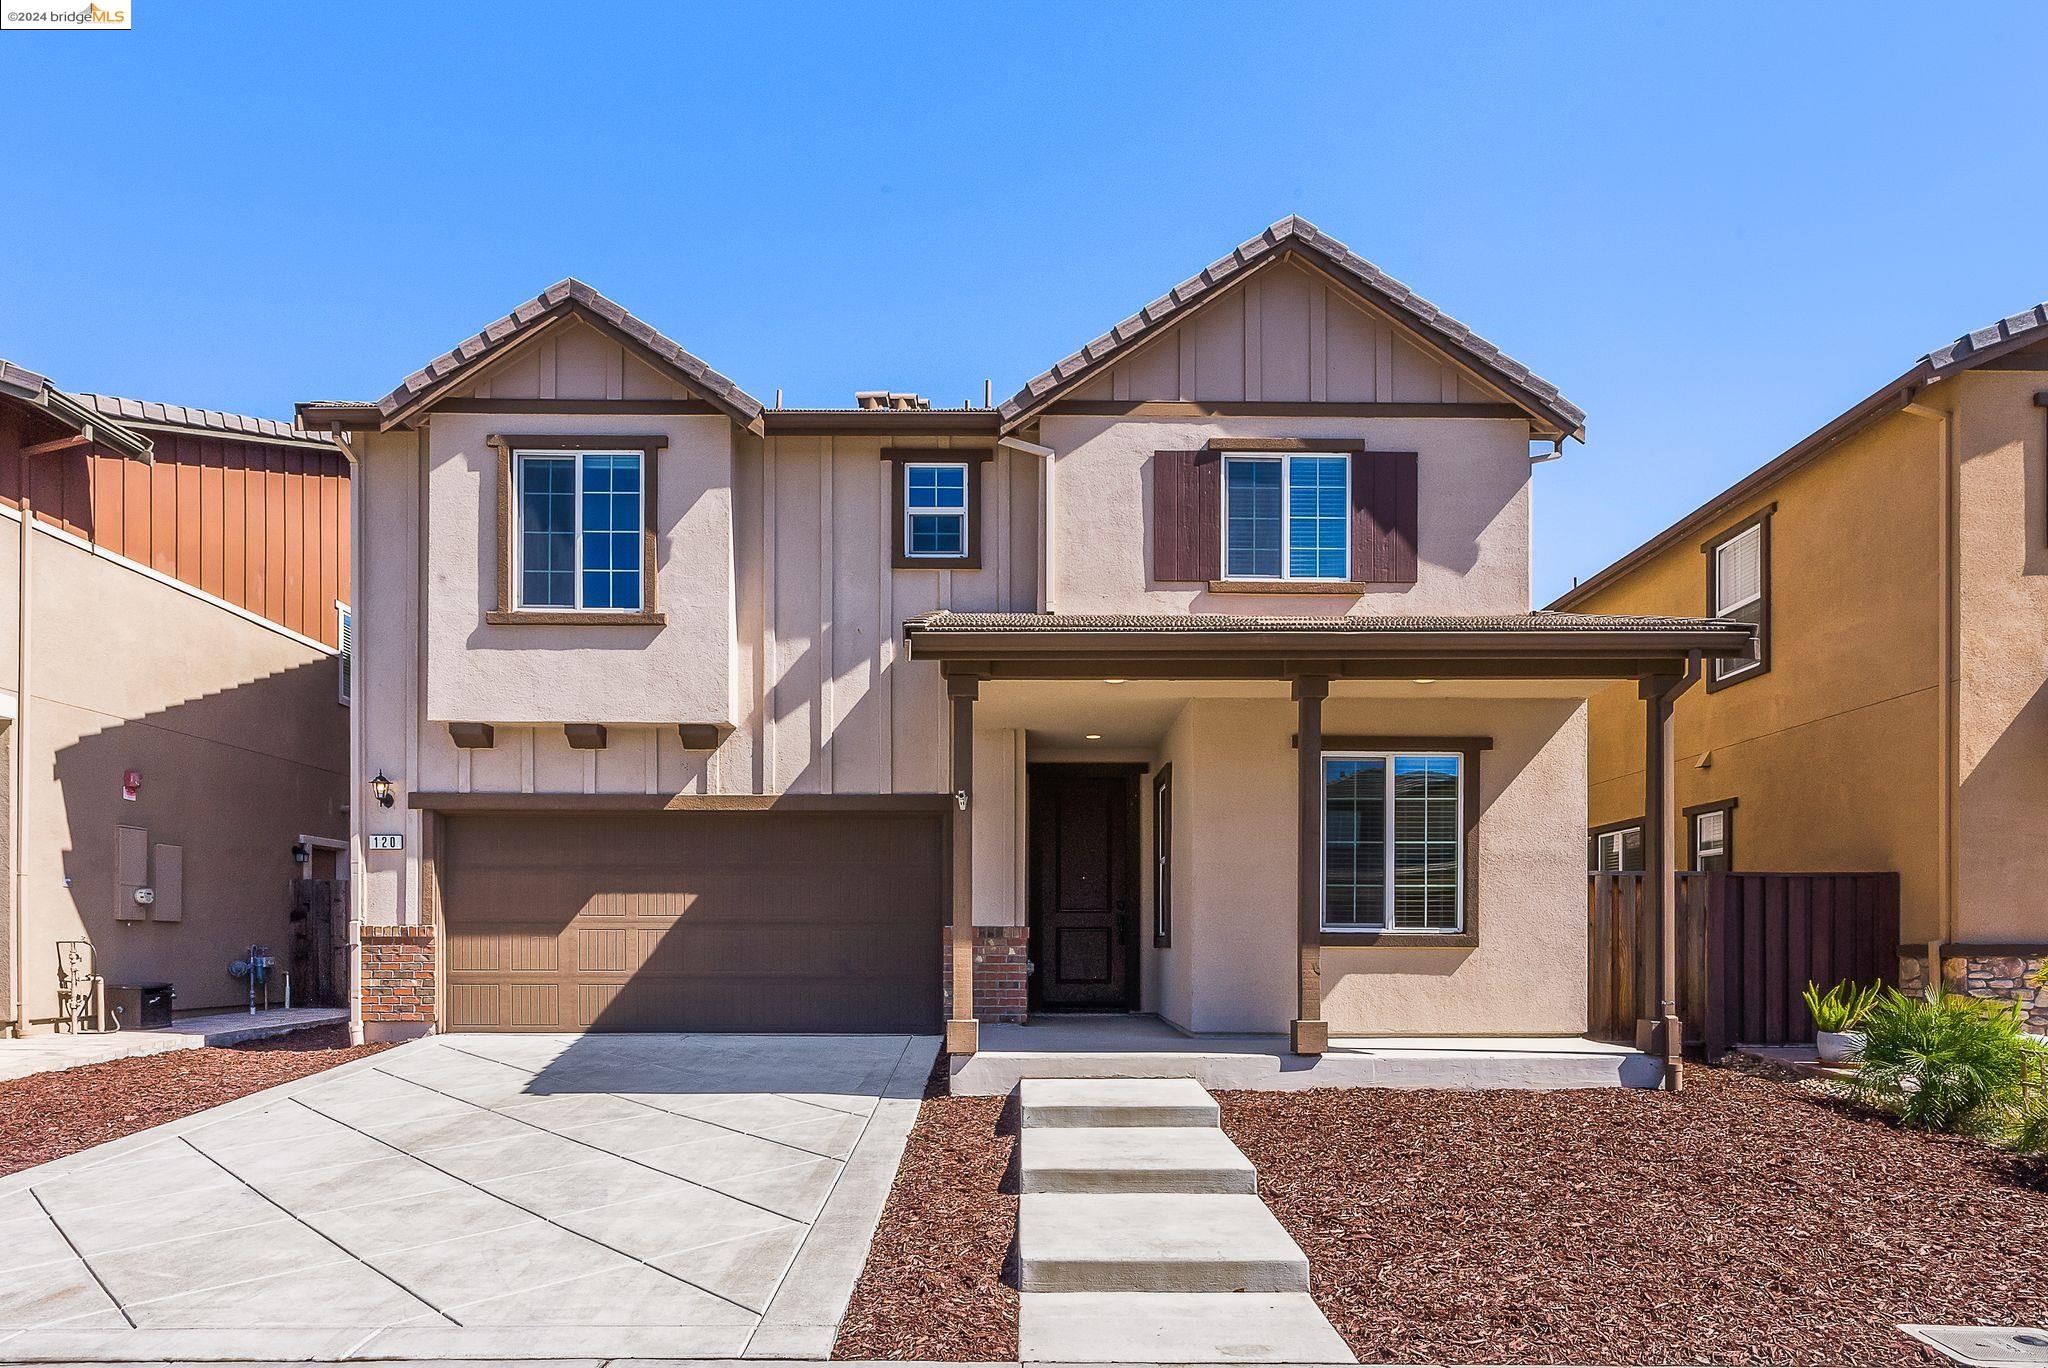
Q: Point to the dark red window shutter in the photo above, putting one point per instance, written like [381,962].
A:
[1187,516]
[1384,512]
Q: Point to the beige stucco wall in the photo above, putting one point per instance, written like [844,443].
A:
[1472,537]
[1231,967]
[2002,699]
[1831,756]
[238,735]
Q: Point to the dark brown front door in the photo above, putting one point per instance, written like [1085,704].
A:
[1084,887]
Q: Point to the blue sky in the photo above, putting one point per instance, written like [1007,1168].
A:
[1714,226]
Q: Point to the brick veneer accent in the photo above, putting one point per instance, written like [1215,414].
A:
[1001,961]
[398,981]
[1985,976]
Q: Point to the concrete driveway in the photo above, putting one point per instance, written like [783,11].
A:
[479,1196]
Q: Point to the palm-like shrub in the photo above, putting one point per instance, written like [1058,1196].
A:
[1842,1007]
[1949,1063]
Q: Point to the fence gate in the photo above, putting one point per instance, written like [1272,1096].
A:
[1747,945]
[319,960]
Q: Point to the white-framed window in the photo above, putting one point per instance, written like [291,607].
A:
[1394,842]
[1287,517]
[935,509]
[580,519]
[1739,590]
[345,653]
[1710,839]
[1618,851]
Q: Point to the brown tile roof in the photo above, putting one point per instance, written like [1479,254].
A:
[74,411]
[146,413]
[562,297]
[1973,349]
[1297,234]
[1222,624]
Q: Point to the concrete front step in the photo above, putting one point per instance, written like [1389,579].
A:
[1099,1102]
[1154,1242]
[1188,1159]
[1176,1327]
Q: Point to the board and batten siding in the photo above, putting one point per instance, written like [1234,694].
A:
[1286,336]
[262,525]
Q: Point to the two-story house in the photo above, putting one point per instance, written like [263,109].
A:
[1197,679]
[1896,715]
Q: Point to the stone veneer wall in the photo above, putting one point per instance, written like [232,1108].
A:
[398,982]
[1001,961]
[1985,976]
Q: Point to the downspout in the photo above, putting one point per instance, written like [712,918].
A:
[1046,542]
[352,915]
[17,789]
[1944,687]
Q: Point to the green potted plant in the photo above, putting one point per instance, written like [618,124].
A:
[1836,1015]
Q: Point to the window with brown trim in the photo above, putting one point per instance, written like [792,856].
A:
[1162,857]
[577,529]
[1710,836]
[936,503]
[1616,848]
[1739,589]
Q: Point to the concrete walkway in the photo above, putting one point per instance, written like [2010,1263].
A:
[1141,1237]
[478,1197]
[43,1053]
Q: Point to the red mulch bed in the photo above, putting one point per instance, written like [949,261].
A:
[49,1115]
[1743,1221]
[938,1284]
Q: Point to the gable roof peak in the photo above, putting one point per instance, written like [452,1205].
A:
[433,380]
[1296,234]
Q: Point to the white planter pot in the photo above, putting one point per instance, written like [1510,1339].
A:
[1839,1047]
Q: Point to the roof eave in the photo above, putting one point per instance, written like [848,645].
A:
[942,643]
[107,433]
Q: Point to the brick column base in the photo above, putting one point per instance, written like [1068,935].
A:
[398,982]
[1001,961]
[1985,976]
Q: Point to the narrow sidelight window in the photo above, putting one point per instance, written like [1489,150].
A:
[935,510]
[1393,842]
[1162,857]
[1287,517]
[579,538]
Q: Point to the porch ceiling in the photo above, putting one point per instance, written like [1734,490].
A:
[1063,714]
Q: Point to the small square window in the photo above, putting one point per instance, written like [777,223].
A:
[935,510]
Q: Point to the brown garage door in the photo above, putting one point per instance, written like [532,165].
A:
[693,921]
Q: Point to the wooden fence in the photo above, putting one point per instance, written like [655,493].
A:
[1747,945]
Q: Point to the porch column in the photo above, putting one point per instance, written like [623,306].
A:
[963,1031]
[1310,1034]
[1664,1033]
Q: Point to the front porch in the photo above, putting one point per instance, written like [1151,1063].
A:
[1134,1046]
[1373,856]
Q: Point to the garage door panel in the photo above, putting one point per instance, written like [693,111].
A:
[815,921]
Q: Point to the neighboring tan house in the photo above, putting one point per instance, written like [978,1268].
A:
[170,688]
[1897,563]
[1197,679]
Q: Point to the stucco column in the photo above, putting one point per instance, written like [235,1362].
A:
[1310,1034]
[1664,1032]
[963,1031]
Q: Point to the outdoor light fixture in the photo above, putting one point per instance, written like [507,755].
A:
[382,788]
[1116,681]
[1425,681]
[1092,736]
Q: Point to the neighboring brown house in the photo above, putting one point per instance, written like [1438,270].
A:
[172,689]
[1896,562]
[1198,678]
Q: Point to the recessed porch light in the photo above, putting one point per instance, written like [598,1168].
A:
[1092,736]
[1425,681]
[1116,681]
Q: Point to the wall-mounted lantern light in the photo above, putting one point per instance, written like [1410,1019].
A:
[382,788]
